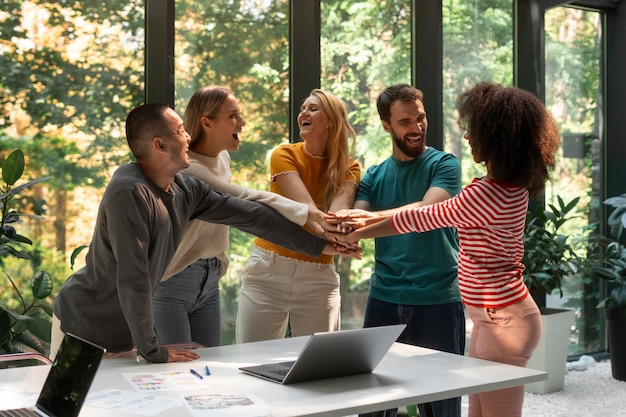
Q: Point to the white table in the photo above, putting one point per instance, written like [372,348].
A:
[407,375]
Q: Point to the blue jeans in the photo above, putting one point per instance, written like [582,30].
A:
[186,307]
[439,326]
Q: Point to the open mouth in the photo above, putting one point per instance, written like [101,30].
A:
[413,140]
[305,123]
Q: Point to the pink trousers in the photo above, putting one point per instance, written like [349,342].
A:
[507,335]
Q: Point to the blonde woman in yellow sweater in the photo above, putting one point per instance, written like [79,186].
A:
[280,286]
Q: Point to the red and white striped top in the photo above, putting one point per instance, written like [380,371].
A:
[490,219]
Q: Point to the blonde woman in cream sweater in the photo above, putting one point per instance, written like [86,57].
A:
[186,304]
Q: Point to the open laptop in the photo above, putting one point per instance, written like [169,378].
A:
[68,381]
[332,355]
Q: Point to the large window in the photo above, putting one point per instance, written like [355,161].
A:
[365,46]
[478,46]
[573,39]
[242,46]
[69,74]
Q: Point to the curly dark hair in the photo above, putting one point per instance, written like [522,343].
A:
[512,132]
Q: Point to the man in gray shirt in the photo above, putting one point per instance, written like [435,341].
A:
[141,219]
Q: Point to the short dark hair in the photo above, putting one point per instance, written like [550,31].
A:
[391,94]
[144,123]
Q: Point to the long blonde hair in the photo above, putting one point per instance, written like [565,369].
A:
[205,101]
[339,152]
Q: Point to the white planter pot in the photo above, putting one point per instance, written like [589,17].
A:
[551,352]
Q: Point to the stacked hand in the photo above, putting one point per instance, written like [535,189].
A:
[347,223]
[317,222]
[342,229]
[349,220]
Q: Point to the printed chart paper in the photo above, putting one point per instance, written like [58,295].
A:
[164,381]
[132,402]
[225,405]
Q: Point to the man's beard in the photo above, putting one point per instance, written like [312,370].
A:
[411,152]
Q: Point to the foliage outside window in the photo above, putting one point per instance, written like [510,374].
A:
[69,74]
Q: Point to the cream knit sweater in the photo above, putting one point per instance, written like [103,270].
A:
[208,240]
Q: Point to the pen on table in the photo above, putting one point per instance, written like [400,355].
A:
[195,373]
[206,370]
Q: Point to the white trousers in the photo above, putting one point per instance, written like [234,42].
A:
[56,337]
[277,291]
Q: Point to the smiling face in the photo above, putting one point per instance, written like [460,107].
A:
[313,121]
[407,126]
[225,126]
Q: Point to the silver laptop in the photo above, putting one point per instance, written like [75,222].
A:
[68,381]
[332,355]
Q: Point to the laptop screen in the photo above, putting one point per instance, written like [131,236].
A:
[70,377]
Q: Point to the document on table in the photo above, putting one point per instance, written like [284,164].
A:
[225,405]
[132,402]
[164,381]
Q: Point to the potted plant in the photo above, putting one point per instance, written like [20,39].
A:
[612,268]
[26,328]
[550,257]
[617,219]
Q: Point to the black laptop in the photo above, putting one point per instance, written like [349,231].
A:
[68,381]
[332,355]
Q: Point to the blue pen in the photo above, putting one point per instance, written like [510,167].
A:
[195,373]
[206,370]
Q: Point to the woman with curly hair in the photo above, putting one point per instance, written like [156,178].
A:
[281,287]
[510,131]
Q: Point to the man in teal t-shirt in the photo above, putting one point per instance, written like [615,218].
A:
[415,275]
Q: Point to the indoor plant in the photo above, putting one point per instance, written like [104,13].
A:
[617,219]
[550,257]
[28,326]
[612,268]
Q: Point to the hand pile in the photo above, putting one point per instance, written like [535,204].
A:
[340,229]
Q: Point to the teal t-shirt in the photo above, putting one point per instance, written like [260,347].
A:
[414,268]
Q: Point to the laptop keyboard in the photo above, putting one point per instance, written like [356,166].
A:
[280,372]
[19,412]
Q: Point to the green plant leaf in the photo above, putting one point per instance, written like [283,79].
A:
[10,217]
[618,201]
[75,253]
[22,239]
[618,297]
[570,206]
[46,308]
[18,316]
[41,285]
[16,253]
[13,167]
[20,322]
[40,328]
[30,341]
[21,187]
